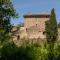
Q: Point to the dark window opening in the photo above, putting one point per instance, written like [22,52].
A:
[36,25]
[39,31]
[18,37]
[26,29]
[44,33]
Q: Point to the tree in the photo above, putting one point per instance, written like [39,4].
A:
[51,28]
[7,12]
[51,33]
[8,51]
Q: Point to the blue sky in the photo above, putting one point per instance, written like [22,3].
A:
[35,6]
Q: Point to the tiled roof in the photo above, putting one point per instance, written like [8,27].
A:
[37,16]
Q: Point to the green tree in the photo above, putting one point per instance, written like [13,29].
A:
[7,12]
[51,28]
[51,33]
[8,51]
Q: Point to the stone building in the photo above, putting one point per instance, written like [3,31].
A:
[34,26]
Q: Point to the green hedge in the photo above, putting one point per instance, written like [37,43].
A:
[29,52]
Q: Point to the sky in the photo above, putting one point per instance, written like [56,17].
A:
[35,7]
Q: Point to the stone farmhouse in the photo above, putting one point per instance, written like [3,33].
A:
[34,27]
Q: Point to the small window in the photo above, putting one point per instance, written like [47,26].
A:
[44,33]
[18,37]
[39,31]
[26,29]
[36,25]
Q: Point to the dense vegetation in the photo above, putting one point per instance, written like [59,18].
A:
[51,33]
[51,28]
[7,12]
[29,52]
[49,50]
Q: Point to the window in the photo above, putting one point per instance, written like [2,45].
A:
[36,25]
[39,31]
[26,29]
[18,37]
[44,33]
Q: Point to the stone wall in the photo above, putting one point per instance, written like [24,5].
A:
[35,27]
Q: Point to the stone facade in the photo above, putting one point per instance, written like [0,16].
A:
[34,26]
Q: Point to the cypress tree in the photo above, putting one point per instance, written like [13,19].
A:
[51,28]
[51,33]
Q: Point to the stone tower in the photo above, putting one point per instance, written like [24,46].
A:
[34,25]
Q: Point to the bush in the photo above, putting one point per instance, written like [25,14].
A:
[8,51]
[31,51]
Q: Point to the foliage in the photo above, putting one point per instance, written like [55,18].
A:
[51,28]
[10,51]
[51,34]
[7,11]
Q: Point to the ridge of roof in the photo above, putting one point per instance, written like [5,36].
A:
[36,15]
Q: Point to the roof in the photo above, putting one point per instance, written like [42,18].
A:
[37,16]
